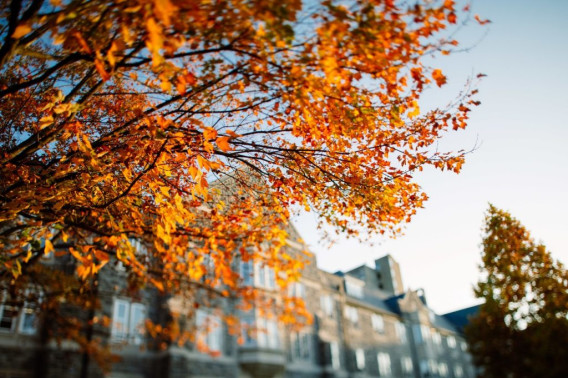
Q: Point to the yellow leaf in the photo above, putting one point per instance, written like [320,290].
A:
[164,9]
[203,163]
[415,111]
[156,40]
[28,256]
[209,133]
[21,30]
[110,54]
[48,247]
[166,85]
[45,121]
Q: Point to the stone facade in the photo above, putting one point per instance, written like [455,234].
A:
[365,325]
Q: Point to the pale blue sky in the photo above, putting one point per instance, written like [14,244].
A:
[521,164]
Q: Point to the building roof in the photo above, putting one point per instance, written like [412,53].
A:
[440,322]
[374,297]
[460,318]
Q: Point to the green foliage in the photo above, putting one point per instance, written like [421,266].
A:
[522,328]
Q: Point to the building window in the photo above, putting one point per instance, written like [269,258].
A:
[327,305]
[301,345]
[458,371]
[443,369]
[353,289]
[378,323]
[248,329]
[247,273]
[297,289]
[268,336]
[451,341]
[421,333]
[463,345]
[406,364]
[13,319]
[436,338]
[334,348]
[360,359]
[424,368]
[401,332]
[209,332]
[432,367]
[8,316]
[128,322]
[28,321]
[264,276]
[351,314]
[384,364]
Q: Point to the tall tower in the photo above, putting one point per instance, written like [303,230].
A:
[388,275]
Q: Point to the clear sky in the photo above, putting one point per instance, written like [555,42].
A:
[520,164]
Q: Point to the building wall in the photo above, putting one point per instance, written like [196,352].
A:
[333,346]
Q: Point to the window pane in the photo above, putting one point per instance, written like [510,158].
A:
[406,363]
[354,289]
[215,339]
[304,345]
[334,355]
[119,330]
[416,330]
[7,317]
[262,334]
[401,332]
[360,358]
[247,322]
[247,273]
[28,321]
[327,305]
[209,331]
[273,339]
[271,281]
[137,316]
[378,323]
[384,364]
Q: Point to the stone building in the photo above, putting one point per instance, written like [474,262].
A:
[365,325]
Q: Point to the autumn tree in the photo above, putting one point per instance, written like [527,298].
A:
[522,328]
[196,127]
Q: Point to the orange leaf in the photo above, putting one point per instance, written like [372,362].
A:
[233,134]
[48,247]
[156,41]
[21,30]
[452,18]
[110,54]
[209,133]
[223,143]
[439,77]
[159,285]
[481,22]
[85,47]
[100,66]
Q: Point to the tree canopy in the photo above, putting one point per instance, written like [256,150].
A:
[522,328]
[195,127]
